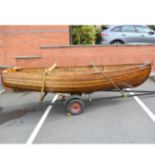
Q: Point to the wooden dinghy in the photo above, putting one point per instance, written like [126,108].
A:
[77,80]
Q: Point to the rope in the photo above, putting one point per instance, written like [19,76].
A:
[46,71]
[112,82]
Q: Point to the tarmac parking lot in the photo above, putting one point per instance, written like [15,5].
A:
[124,120]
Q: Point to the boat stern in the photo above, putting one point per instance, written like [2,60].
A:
[3,72]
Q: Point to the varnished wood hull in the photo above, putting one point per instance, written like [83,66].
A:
[84,79]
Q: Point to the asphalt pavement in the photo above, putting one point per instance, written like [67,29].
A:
[111,121]
[1,88]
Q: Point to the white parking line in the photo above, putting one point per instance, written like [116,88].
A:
[2,91]
[42,120]
[144,107]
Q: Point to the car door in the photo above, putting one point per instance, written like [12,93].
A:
[145,34]
[128,34]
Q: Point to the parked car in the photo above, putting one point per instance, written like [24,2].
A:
[128,34]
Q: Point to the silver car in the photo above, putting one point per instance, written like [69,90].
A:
[128,34]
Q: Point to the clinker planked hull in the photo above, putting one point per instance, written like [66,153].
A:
[83,79]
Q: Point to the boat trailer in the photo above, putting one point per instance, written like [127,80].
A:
[75,105]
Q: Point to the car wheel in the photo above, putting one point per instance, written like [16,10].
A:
[117,42]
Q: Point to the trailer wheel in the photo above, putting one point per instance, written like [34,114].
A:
[71,98]
[75,106]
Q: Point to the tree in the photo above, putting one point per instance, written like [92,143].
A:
[83,34]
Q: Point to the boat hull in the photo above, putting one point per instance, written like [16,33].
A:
[76,80]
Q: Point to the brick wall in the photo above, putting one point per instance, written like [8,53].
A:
[79,55]
[84,55]
[26,40]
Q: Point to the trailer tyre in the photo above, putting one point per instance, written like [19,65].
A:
[75,106]
[71,98]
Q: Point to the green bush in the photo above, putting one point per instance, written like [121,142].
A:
[152,27]
[83,34]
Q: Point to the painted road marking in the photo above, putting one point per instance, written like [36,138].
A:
[2,91]
[144,107]
[41,122]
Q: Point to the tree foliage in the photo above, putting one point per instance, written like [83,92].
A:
[152,27]
[83,34]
